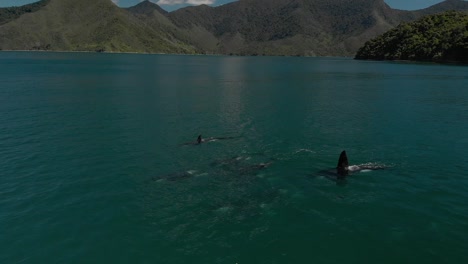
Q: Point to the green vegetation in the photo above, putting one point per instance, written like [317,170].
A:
[246,27]
[296,27]
[440,38]
[12,13]
[87,25]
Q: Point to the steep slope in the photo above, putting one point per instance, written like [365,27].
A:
[441,37]
[11,13]
[446,5]
[86,25]
[244,27]
[252,27]
[152,16]
[295,27]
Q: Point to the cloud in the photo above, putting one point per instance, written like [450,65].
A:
[201,2]
[170,2]
[190,2]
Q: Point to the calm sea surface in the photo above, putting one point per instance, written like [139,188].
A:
[94,169]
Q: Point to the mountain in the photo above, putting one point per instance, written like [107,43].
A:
[86,25]
[146,8]
[243,27]
[11,13]
[152,16]
[446,5]
[441,38]
[294,27]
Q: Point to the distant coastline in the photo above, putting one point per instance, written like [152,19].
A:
[175,54]
[86,51]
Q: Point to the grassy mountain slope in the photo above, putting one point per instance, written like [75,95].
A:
[11,13]
[440,37]
[152,16]
[86,25]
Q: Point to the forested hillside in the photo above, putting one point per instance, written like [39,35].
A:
[243,27]
[441,38]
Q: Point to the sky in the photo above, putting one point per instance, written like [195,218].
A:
[171,5]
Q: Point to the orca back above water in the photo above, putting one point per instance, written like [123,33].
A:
[203,140]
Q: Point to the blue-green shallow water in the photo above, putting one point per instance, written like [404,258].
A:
[89,144]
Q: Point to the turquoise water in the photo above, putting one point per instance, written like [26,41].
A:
[94,168]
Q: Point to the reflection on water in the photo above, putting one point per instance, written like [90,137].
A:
[231,102]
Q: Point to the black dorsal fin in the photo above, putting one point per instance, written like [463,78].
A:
[342,166]
[343,160]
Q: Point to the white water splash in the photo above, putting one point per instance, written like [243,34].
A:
[304,150]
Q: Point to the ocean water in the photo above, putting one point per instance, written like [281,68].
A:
[97,164]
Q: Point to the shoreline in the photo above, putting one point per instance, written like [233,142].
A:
[459,63]
[176,54]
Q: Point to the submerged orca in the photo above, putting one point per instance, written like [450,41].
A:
[232,166]
[343,168]
[176,176]
[239,165]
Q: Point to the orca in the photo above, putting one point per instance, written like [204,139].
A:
[239,165]
[235,161]
[203,140]
[254,168]
[196,142]
[343,168]
[176,176]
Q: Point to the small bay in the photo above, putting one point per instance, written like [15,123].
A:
[95,167]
